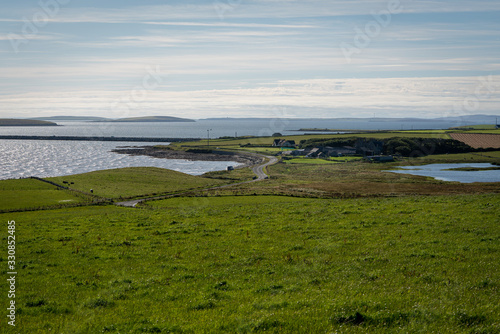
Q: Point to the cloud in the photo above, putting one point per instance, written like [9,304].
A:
[403,97]
[41,37]
[232,59]
[281,9]
[233,25]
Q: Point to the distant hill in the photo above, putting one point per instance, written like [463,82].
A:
[153,119]
[465,120]
[24,122]
[472,119]
[104,119]
[476,127]
[70,118]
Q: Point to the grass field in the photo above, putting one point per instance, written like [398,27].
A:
[262,264]
[134,182]
[360,179]
[311,161]
[32,194]
[301,160]
[236,143]
[317,248]
[493,156]
[478,127]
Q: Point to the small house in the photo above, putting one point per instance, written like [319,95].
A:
[313,153]
[339,151]
[284,143]
[301,152]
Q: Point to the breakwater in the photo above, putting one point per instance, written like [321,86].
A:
[77,138]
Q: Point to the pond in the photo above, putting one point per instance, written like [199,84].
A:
[448,172]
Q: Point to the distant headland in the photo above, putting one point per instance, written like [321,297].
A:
[104,119]
[152,119]
[24,122]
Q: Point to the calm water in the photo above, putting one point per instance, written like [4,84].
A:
[218,128]
[23,158]
[439,172]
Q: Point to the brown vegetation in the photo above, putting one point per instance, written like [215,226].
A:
[477,140]
[356,179]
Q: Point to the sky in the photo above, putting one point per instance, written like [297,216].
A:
[250,58]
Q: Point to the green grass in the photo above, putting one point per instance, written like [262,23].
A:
[263,150]
[471,169]
[24,122]
[235,143]
[493,156]
[313,161]
[477,127]
[250,264]
[261,264]
[424,131]
[32,194]
[485,129]
[494,132]
[225,201]
[136,182]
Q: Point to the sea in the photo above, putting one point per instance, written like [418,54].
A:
[24,158]
[216,128]
[449,172]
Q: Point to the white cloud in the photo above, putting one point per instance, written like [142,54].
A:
[40,37]
[404,97]
[253,40]
[259,9]
[233,25]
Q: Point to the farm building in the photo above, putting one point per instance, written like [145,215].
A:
[301,152]
[338,151]
[313,153]
[323,152]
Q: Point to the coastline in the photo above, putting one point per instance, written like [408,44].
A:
[62,158]
[246,159]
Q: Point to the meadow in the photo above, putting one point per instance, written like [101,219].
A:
[31,194]
[135,182]
[240,143]
[245,264]
[319,247]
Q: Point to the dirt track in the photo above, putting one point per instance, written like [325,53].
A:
[258,170]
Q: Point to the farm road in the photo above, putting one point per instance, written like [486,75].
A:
[259,171]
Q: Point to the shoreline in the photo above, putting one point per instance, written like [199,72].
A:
[246,159]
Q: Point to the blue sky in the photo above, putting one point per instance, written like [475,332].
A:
[248,58]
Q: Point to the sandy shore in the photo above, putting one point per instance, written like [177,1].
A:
[247,159]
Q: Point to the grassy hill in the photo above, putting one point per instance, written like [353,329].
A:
[28,194]
[153,119]
[135,182]
[24,122]
[70,118]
